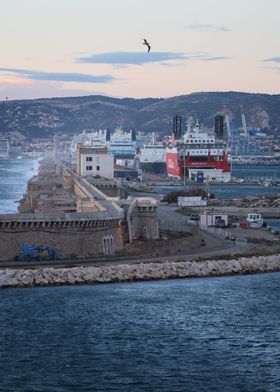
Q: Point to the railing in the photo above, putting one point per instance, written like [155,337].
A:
[71,216]
[222,233]
[176,227]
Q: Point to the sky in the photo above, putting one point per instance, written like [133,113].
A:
[56,48]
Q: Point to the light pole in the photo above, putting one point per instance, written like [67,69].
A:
[184,168]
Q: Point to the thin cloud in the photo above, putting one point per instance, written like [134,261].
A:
[216,58]
[273,59]
[137,58]
[59,76]
[166,59]
[276,69]
[205,28]
[168,65]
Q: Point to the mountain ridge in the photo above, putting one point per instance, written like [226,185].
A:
[44,117]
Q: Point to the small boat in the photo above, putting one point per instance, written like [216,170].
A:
[254,220]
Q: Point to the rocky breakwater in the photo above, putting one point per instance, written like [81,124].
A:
[270,201]
[49,276]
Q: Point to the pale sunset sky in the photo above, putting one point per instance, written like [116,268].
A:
[52,48]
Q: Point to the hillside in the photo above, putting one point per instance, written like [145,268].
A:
[45,117]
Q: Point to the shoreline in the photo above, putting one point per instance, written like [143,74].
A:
[50,276]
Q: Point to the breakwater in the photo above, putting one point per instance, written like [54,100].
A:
[49,276]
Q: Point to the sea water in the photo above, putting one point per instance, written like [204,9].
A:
[14,174]
[215,334]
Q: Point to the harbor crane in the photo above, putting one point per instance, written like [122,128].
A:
[229,133]
[245,129]
[244,125]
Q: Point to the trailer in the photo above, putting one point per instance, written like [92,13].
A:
[212,219]
[191,201]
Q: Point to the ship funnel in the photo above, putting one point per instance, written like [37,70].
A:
[177,127]
[108,134]
[219,126]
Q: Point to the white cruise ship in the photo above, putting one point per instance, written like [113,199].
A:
[122,144]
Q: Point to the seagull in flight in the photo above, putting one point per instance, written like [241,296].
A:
[147,44]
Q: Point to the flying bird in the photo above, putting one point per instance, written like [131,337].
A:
[147,44]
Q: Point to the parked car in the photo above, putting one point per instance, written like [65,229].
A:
[220,223]
[194,216]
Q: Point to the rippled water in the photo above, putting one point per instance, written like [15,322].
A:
[225,191]
[217,334]
[228,191]
[256,171]
[14,174]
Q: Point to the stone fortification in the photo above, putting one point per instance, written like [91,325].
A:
[73,234]
[66,211]
[136,272]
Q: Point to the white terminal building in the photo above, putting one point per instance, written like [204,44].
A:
[94,161]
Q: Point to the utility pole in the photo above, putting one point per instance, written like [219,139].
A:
[184,168]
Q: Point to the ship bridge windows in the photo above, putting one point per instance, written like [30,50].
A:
[199,158]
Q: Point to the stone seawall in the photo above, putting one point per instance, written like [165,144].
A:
[49,276]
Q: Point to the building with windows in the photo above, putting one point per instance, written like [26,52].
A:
[94,161]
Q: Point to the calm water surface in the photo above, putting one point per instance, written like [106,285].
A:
[256,171]
[246,172]
[217,334]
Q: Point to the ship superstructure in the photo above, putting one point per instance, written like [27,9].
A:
[122,144]
[198,154]
[152,156]
[89,138]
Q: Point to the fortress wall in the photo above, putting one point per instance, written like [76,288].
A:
[144,223]
[80,241]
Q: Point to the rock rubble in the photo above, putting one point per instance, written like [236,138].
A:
[49,276]
[271,201]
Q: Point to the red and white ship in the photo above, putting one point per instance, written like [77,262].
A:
[198,155]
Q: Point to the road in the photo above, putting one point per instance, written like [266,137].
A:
[212,246]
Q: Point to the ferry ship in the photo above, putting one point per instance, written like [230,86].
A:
[198,155]
[121,144]
[152,156]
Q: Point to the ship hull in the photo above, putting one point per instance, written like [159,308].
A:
[206,169]
[153,167]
